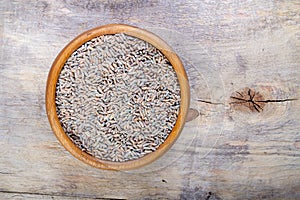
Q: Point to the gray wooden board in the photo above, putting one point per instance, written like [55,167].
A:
[222,154]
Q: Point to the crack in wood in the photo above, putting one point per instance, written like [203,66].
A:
[56,195]
[6,173]
[209,102]
[277,100]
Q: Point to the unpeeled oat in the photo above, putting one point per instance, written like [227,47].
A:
[117,97]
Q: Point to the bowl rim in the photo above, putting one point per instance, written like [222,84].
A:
[51,90]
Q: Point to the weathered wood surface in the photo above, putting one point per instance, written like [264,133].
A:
[224,153]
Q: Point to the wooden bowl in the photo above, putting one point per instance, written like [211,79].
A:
[51,90]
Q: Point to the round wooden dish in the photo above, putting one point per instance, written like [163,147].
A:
[51,89]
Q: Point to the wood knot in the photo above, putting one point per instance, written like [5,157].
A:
[246,100]
[260,103]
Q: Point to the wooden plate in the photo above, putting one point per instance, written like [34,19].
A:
[51,89]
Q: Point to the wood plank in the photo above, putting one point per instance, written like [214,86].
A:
[222,154]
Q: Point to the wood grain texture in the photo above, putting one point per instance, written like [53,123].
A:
[222,154]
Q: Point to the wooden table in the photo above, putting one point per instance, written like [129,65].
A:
[229,149]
